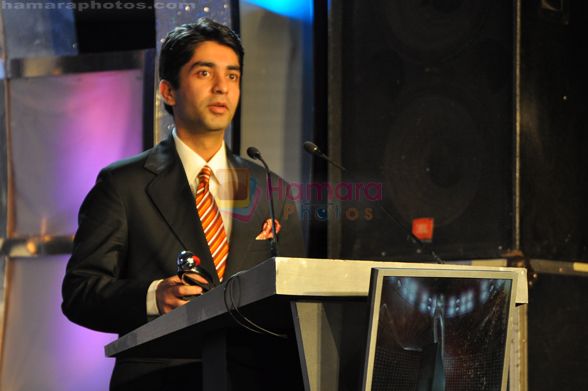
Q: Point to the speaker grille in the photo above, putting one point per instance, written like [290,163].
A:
[427,112]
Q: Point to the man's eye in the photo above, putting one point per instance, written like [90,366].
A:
[203,73]
[233,76]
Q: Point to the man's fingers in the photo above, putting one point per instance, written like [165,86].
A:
[173,298]
[194,279]
[171,291]
[173,280]
[174,302]
[186,290]
[197,277]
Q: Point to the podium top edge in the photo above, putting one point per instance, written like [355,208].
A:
[342,277]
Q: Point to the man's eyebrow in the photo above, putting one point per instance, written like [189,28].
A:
[209,64]
[202,64]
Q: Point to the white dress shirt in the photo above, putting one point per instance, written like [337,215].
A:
[220,186]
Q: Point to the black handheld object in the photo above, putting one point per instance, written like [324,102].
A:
[256,155]
[188,264]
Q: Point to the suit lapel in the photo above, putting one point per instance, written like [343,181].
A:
[170,193]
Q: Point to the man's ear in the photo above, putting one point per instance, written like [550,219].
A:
[167,92]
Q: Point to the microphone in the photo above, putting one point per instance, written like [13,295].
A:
[313,149]
[256,155]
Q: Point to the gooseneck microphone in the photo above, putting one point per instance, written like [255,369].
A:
[254,154]
[314,150]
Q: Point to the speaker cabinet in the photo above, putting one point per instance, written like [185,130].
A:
[474,140]
[554,141]
[557,321]
[427,113]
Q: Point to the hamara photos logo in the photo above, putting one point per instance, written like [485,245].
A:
[241,193]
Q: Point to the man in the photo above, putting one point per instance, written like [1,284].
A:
[144,210]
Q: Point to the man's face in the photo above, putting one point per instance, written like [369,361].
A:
[209,89]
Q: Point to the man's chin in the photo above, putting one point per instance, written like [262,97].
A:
[218,126]
[216,129]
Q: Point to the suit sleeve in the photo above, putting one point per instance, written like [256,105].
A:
[95,292]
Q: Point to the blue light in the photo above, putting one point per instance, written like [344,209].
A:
[297,9]
[484,291]
[423,306]
[433,306]
[451,307]
[412,291]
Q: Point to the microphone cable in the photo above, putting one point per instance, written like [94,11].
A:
[238,316]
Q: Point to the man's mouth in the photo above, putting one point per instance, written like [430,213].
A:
[218,107]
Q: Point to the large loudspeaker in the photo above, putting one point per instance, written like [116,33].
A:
[554,140]
[427,112]
[470,114]
[557,319]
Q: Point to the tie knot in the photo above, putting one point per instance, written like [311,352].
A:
[204,175]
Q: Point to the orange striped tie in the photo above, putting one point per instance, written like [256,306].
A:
[212,222]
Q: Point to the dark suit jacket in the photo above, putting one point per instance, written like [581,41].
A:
[139,215]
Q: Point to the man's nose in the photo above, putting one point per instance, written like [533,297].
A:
[220,85]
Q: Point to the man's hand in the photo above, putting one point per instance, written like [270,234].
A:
[170,293]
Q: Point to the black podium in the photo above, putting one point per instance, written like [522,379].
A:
[323,301]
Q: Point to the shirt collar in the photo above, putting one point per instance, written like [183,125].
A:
[193,163]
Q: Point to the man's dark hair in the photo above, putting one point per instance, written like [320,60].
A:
[179,44]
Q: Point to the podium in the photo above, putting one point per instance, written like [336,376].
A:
[326,298]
